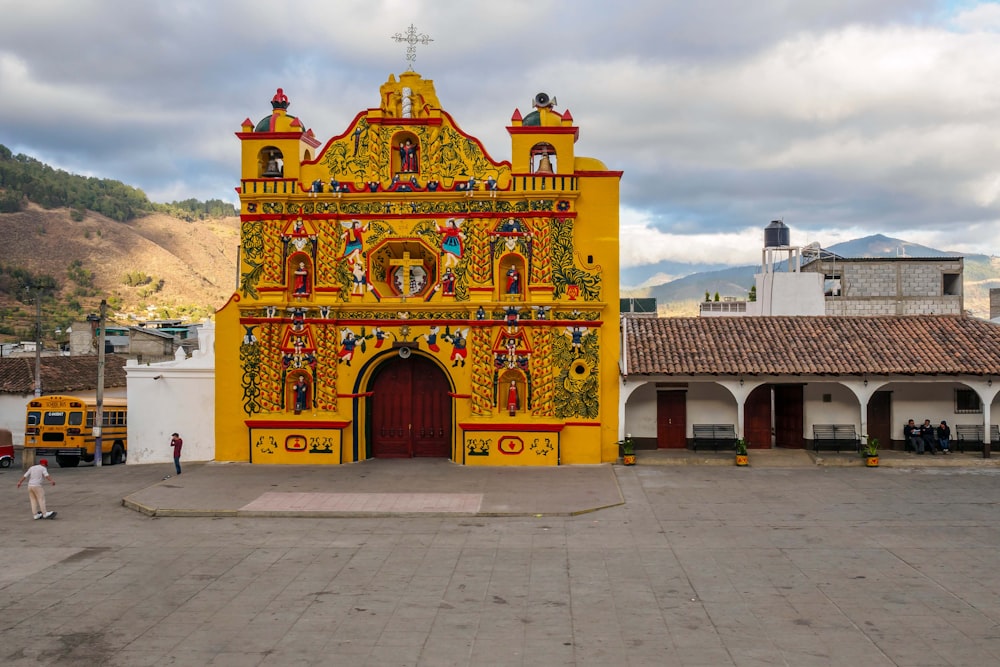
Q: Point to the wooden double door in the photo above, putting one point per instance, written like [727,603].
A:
[787,422]
[410,412]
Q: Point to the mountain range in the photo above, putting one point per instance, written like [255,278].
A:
[682,295]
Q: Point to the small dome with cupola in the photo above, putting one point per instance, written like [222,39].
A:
[279,120]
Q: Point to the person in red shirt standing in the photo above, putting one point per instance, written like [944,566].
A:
[177,443]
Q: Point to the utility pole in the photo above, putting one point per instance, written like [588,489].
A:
[99,412]
[38,343]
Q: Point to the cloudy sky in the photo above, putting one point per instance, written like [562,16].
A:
[842,117]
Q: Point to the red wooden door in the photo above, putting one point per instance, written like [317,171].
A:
[671,419]
[788,416]
[880,417]
[757,418]
[411,410]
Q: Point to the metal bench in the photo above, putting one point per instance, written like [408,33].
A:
[835,436]
[714,436]
[970,436]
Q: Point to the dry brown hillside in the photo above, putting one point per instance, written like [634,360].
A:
[195,260]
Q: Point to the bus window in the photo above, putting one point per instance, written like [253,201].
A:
[54,418]
[33,418]
[75,418]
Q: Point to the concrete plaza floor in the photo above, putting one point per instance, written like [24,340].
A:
[777,564]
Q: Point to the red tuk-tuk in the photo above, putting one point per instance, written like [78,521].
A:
[6,448]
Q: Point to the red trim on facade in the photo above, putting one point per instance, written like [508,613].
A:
[590,324]
[364,394]
[277,423]
[583,423]
[454,395]
[279,136]
[514,426]
[393,120]
[543,129]
[597,174]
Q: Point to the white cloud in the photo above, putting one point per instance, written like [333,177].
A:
[842,116]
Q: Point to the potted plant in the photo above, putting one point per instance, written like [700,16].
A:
[742,458]
[870,451]
[628,450]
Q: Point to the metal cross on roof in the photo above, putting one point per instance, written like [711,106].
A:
[412,39]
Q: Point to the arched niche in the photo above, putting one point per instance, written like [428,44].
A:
[405,154]
[270,163]
[404,268]
[512,397]
[512,278]
[300,276]
[298,392]
[543,158]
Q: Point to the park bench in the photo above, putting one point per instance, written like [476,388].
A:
[970,436]
[714,436]
[835,436]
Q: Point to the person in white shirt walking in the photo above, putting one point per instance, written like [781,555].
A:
[35,475]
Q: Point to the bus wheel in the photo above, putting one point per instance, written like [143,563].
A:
[5,462]
[68,461]
[117,455]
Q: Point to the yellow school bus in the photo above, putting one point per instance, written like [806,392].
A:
[63,427]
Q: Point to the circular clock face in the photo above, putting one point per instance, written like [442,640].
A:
[417,277]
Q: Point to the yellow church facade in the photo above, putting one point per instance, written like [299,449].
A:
[403,294]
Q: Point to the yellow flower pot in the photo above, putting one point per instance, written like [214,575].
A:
[742,459]
[871,461]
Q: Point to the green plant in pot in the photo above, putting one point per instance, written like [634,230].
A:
[869,451]
[742,459]
[628,450]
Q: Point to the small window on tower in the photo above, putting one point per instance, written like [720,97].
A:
[831,284]
[951,284]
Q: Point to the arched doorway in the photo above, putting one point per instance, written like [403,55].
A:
[410,409]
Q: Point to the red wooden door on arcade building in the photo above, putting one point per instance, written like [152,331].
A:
[410,410]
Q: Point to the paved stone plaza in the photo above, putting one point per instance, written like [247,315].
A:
[701,565]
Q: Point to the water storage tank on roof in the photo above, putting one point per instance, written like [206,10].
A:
[776,235]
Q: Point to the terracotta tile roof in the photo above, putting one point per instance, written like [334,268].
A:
[60,374]
[924,345]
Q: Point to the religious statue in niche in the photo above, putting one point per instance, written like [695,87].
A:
[513,403]
[407,156]
[300,392]
[452,244]
[353,239]
[300,280]
[513,285]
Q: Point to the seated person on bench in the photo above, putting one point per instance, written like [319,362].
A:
[911,434]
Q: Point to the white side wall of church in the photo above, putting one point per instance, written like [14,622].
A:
[174,396]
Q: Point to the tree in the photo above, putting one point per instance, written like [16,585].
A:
[752,296]
[716,297]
